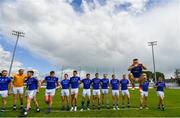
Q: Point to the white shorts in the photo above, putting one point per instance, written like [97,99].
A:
[65,92]
[144,93]
[31,93]
[18,90]
[125,92]
[105,91]
[50,92]
[86,92]
[4,93]
[160,94]
[96,92]
[74,91]
[115,92]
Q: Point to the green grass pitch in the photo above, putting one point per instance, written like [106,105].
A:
[172,103]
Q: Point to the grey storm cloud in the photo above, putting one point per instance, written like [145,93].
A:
[98,37]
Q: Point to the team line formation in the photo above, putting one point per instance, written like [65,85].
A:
[70,88]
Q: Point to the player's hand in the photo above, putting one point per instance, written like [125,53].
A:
[9,93]
[38,91]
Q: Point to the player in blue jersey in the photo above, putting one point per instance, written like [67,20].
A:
[33,86]
[96,90]
[105,90]
[115,92]
[5,83]
[135,73]
[51,84]
[86,92]
[65,84]
[160,86]
[74,81]
[124,90]
[144,93]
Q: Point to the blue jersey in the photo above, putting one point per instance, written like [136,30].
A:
[51,82]
[74,81]
[31,83]
[105,83]
[86,83]
[65,84]
[145,86]
[115,84]
[124,84]
[4,83]
[160,86]
[96,83]
[137,71]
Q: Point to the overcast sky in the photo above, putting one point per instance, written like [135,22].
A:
[99,33]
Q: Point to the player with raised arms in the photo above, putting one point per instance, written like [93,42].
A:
[144,93]
[135,73]
[115,92]
[86,92]
[51,84]
[5,88]
[33,86]
[105,90]
[65,85]
[96,90]
[18,88]
[74,81]
[160,86]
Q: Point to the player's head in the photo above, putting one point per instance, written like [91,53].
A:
[97,75]
[124,76]
[30,73]
[52,73]
[65,76]
[160,79]
[113,76]
[74,72]
[135,61]
[88,76]
[4,73]
[105,75]
[144,76]
[21,71]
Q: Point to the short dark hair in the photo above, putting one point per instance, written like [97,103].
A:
[52,72]
[31,71]
[96,73]
[75,71]
[87,74]
[3,71]
[66,74]
[21,69]
[135,59]
[113,75]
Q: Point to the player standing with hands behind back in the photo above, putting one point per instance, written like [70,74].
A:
[74,81]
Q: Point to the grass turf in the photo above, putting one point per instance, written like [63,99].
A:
[172,104]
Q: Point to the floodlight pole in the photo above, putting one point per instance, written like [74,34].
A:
[152,44]
[18,34]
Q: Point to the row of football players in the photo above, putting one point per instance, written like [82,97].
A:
[52,83]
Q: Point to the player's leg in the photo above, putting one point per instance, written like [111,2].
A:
[4,102]
[117,101]
[67,98]
[75,101]
[36,104]
[63,99]
[123,99]
[128,98]
[88,101]
[14,98]
[21,96]
[162,101]
[83,100]
[28,104]
[99,97]
[141,101]
[113,101]
[72,102]
[102,98]
[131,78]
[146,102]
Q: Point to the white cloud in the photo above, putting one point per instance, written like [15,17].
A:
[97,37]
